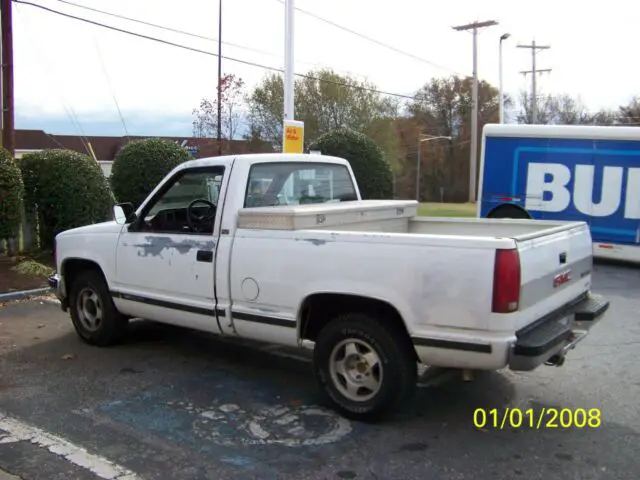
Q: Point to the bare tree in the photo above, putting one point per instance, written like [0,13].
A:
[562,109]
[630,114]
[206,121]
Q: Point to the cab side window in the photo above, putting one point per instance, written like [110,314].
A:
[188,204]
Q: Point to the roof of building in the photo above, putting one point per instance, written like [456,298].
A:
[105,147]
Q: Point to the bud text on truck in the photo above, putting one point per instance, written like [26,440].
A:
[281,249]
[566,172]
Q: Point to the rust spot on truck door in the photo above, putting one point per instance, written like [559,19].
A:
[154,246]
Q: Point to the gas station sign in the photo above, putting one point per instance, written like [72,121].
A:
[293,141]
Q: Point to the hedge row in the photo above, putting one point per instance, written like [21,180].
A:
[139,166]
[61,189]
[11,196]
[372,171]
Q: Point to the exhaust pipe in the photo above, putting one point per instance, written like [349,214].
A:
[555,361]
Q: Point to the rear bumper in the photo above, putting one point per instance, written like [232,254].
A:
[551,337]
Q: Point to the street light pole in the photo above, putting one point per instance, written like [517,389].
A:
[419,160]
[502,38]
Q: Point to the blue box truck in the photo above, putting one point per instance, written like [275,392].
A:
[566,172]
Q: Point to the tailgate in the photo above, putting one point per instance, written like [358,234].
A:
[555,269]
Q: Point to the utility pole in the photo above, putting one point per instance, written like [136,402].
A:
[534,72]
[473,156]
[8,133]
[219,77]
[1,91]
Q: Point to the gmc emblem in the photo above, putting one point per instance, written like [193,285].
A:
[561,279]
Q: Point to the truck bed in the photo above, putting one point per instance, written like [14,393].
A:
[481,227]
[392,216]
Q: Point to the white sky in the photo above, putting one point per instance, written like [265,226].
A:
[57,65]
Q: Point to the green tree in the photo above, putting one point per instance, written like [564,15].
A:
[325,101]
[140,165]
[373,173]
[11,196]
[63,190]
[443,107]
[266,110]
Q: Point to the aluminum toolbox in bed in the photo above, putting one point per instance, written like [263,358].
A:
[310,216]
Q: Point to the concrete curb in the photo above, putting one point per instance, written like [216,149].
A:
[4,475]
[9,297]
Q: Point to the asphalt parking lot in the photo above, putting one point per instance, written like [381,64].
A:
[175,404]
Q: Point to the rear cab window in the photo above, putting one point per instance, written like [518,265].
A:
[298,183]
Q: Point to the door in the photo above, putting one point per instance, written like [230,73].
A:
[165,259]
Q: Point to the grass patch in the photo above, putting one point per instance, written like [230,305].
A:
[433,209]
[33,268]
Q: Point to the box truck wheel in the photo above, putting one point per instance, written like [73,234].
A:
[509,211]
[365,366]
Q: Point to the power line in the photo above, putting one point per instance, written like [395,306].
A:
[373,40]
[357,87]
[113,93]
[175,30]
[204,52]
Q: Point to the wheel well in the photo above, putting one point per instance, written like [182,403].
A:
[72,267]
[501,211]
[319,309]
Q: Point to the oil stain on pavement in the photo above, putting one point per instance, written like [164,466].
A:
[222,412]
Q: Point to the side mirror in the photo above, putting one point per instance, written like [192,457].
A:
[124,213]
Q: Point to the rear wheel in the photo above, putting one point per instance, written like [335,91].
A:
[509,211]
[364,366]
[93,314]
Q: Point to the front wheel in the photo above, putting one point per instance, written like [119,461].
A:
[94,316]
[364,366]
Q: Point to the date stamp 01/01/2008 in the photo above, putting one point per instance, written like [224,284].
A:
[537,419]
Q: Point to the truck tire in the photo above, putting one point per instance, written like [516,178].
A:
[509,211]
[93,313]
[364,366]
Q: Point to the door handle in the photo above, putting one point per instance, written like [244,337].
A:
[204,256]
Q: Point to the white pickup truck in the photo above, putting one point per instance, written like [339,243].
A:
[281,248]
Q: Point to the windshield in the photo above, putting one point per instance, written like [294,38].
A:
[297,183]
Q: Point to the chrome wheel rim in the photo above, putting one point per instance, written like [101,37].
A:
[89,309]
[356,369]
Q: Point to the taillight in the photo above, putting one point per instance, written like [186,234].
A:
[506,281]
